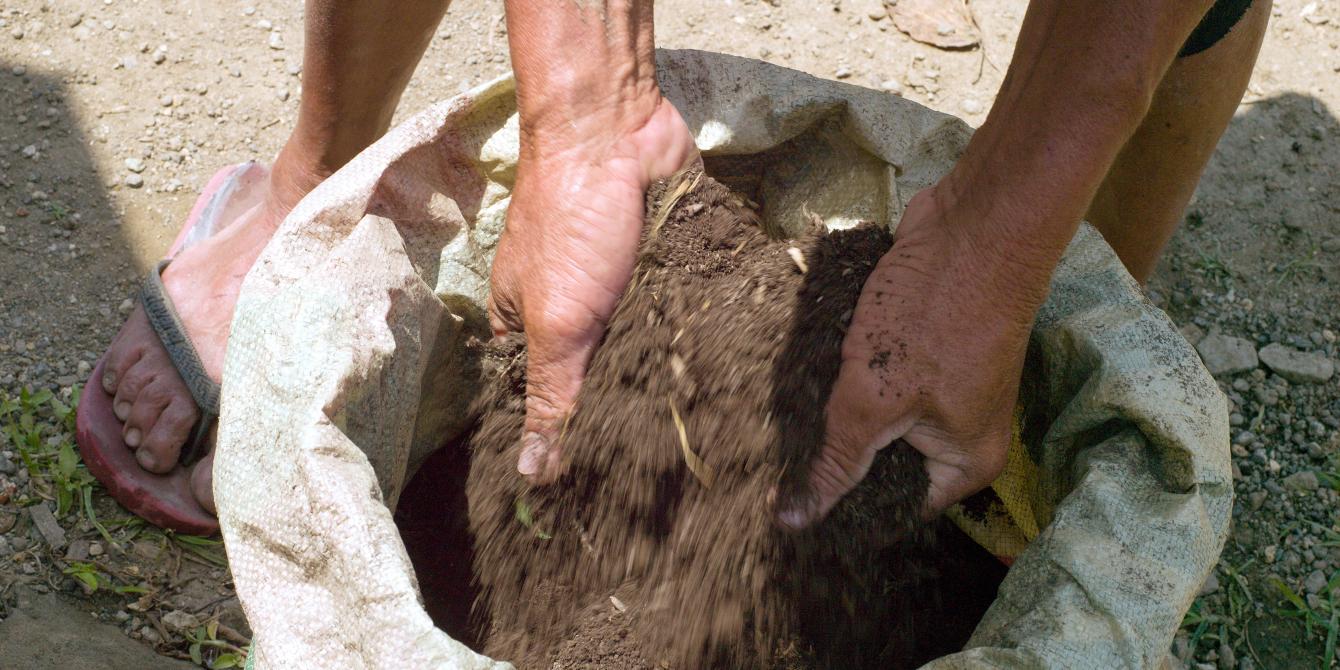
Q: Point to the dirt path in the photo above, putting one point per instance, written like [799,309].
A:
[116,112]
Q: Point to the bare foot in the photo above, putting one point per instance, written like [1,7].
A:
[202,281]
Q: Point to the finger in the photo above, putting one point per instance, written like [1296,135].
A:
[554,372]
[855,429]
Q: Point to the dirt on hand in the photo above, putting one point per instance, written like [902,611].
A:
[703,406]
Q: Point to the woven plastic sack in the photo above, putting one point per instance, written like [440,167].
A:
[346,368]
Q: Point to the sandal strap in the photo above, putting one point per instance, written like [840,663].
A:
[167,324]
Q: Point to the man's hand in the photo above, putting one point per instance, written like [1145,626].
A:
[935,348]
[932,357]
[595,133]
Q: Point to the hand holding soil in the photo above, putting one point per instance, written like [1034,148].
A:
[932,358]
[593,144]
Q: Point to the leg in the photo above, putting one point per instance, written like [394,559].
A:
[1141,202]
[358,59]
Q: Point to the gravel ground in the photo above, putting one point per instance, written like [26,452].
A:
[117,111]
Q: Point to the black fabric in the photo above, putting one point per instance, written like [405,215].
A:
[1217,23]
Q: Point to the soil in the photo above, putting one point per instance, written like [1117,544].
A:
[659,545]
[1259,256]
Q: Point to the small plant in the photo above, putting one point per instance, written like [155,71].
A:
[39,426]
[207,650]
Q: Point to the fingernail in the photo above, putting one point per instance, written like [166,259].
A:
[122,410]
[534,453]
[109,382]
[133,437]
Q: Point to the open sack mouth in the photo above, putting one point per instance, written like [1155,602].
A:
[658,544]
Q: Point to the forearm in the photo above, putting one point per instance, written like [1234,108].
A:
[1079,85]
[583,67]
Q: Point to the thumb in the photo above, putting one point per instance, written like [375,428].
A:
[554,372]
[852,437]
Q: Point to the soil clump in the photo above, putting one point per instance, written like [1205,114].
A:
[703,406]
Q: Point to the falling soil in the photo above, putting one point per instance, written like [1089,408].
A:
[704,404]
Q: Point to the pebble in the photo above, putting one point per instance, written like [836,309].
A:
[7,521]
[177,621]
[1301,481]
[842,72]
[18,70]
[83,369]
[78,551]
[1224,355]
[134,181]
[95,549]
[970,106]
[1299,367]
[125,306]
[1193,333]
[135,165]
[7,467]
[276,41]
[1315,582]
[47,526]
[1227,659]
[892,86]
[1211,584]
[1256,499]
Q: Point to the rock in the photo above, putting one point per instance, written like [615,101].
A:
[1256,499]
[7,466]
[95,549]
[1224,355]
[276,41]
[1299,367]
[7,521]
[134,181]
[136,165]
[178,621]
[44,633]
[78,551]
[1301,481]
[842,72]
[892,86]
[1228,660]
[1315,582]
[970,106]
[47,526]
[1193,333]
[1211,584]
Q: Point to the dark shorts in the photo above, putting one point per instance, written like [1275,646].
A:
[1217,23]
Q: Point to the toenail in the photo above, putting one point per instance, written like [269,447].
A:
[145,459]
[133,437]
[122,410]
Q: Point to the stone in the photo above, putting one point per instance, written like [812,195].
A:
[136,165]
[1299,367]
[1228,660]
[1211,584]
[134,181]
[47,526]
[178,621]
[1315,582]
[45,633]
[1193,333]
[1301,481]
[1224,355]
[970,106]
[1256,499]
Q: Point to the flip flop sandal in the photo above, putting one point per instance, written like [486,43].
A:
[165,500]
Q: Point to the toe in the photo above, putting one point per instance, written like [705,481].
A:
[144,413]
[171,430]
[202,482]
[130,383]
[125,351]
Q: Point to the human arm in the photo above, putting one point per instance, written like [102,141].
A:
[595,133]
[949,308]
